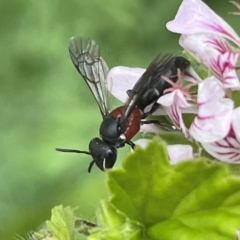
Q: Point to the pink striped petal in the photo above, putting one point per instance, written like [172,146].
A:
[216,53]
[228,148]
[174,103]
[223,65]
[174,97]
[212,122]
[201,45]
[194,16]
[120,79]
[214,112]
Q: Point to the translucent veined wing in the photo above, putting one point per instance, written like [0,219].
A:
[160,66]
[85,55]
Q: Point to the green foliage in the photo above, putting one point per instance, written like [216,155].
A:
[113,224]
[152,199]
[62,223]
[60,227]
[192,199]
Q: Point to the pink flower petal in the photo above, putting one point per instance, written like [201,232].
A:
[213,121]
[218,43]
[120,79]
[194,16]
[211,89]
[176,153]
[214,112]
[201,45]
[179,152]
[228,148]
[224,68]
[174,102]
[169,99]
[216,53]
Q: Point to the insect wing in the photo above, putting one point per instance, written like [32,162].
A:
[160,66]
[85,55]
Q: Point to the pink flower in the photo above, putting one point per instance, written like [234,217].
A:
[216,53]
[120,79]
[228,148]
[203,35]
[214,112]
[174,103]
[194,17]
[176,153]
[179,152]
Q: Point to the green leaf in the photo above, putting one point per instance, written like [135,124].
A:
[42,234]
[62,226]
[62,223]
[190,200]
[114,225]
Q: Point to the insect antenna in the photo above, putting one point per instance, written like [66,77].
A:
[72,151]
[90,166]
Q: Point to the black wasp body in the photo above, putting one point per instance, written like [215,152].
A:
[120,125]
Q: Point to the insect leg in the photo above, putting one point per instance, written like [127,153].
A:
[162,124]
[154,108]
[131,144]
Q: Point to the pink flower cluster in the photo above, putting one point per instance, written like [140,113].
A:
[210,41]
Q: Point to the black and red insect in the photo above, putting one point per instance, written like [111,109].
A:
[120,125]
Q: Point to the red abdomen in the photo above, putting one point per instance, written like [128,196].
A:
[132,125]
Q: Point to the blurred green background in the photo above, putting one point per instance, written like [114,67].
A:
[45,103]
